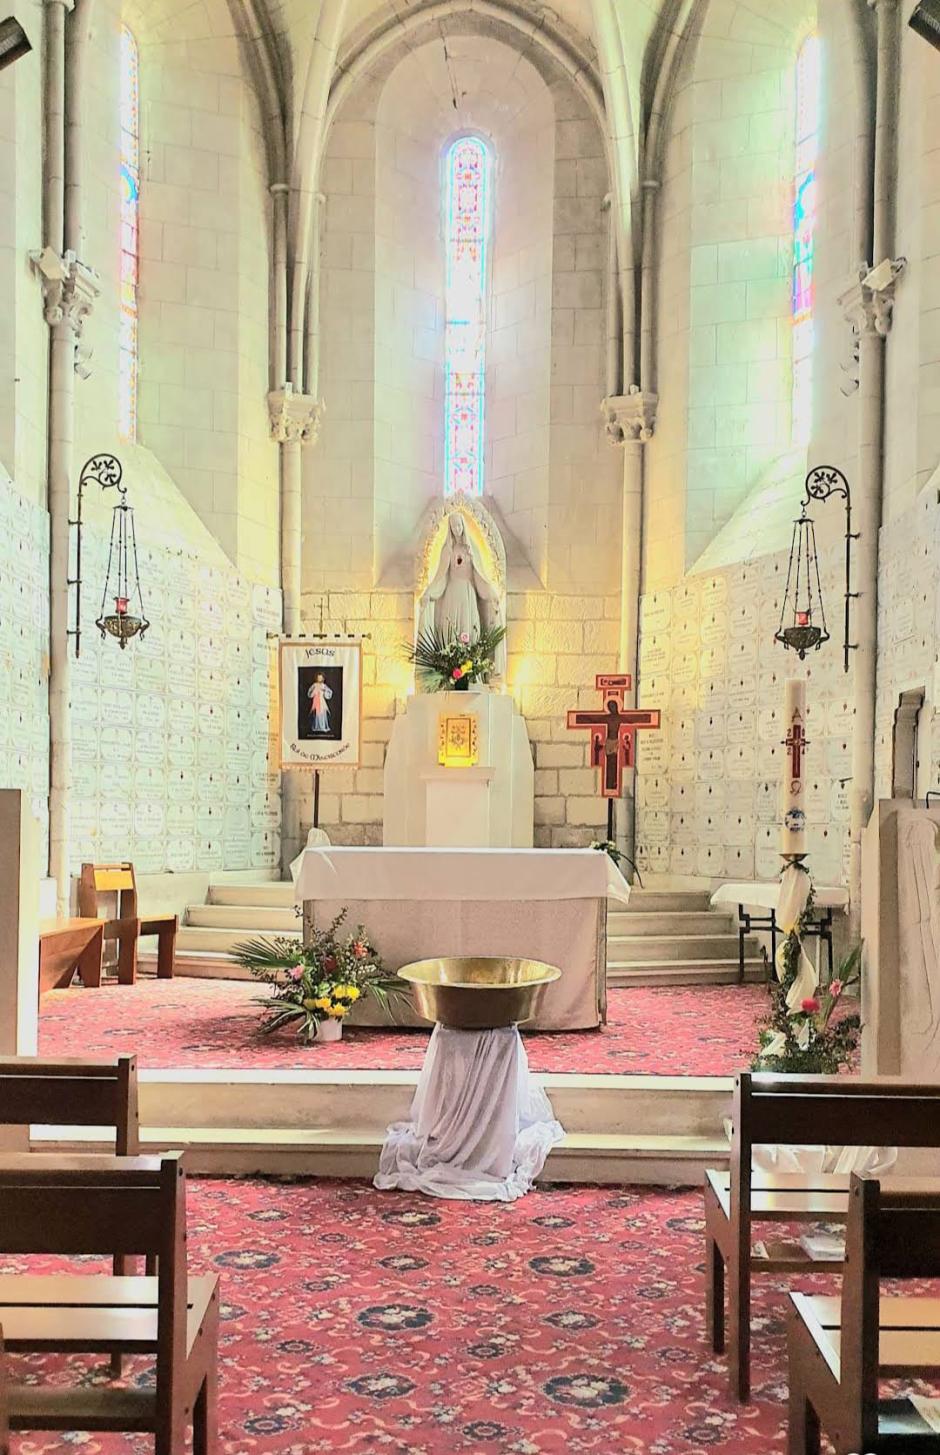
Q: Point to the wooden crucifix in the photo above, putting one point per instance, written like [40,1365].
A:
[613,729]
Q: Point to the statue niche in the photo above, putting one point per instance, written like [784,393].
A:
[461,577]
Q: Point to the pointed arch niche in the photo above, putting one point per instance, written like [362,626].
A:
[380,461]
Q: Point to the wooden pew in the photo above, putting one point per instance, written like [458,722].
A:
[839,1348]
[135,1205]
[827,1110]
[4,1403]
[67,945]
[34,1092]
[127,925]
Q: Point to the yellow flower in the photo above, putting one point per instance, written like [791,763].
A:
[337,1011]
[310,1004]
[467,666]
[353,992]
[322,1002]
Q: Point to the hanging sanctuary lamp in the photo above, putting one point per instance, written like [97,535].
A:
[125,619]
[803,626]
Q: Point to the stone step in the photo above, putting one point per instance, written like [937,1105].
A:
[676,1160]
[656,900]
[625,949]
[271,893]
[667,922]
[250,917]
[193,937]
[369,1100]
[684,972]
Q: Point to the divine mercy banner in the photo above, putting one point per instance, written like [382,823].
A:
[320,692]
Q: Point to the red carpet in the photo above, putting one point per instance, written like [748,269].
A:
[696,1031]
[567,1323]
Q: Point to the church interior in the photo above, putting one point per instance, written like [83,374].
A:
[470,743]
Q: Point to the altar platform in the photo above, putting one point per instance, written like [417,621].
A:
[635,1097]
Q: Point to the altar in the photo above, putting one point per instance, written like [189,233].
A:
[415,903]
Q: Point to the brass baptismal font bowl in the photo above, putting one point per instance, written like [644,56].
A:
[479,992]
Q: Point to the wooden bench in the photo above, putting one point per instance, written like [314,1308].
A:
[127,926]
[67,945]
[4,1403]
[826,1110]
[89,1205]
[34,1092]
[839,1348]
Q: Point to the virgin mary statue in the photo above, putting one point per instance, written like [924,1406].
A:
[460,598]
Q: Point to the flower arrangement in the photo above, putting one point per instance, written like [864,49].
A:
[443,663]
[808,1039]
[316,982]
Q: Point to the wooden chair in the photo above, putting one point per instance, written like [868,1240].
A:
[839,1348]
[827,1110]
[137,1205]
[127,926]
[75,1094]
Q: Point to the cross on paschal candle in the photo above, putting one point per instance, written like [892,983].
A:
[613,729]
[795,740]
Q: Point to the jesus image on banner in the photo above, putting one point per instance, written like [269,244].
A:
[319,695]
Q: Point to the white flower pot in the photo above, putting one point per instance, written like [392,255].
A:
[329,1030]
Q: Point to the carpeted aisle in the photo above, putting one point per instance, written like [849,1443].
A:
[569,1322]
[675,1031]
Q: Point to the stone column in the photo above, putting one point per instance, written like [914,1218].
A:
[867,305]
[69,290]
[295,422]
[630,420]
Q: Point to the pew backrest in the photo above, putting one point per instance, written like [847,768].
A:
[117,880]
[74,1094]
[892,1231]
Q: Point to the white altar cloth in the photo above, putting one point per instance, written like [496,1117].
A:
[766,895]
[481,1127]
[411,873]
[417,903]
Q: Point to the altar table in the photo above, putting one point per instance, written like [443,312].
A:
[417,903]
[766,895]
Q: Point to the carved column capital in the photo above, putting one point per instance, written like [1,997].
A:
[868,302]
[630,417]
[295,418]
[69,288]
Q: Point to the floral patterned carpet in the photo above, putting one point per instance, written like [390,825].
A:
[674,1031]
[569,1323]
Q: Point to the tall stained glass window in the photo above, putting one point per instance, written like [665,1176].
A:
[130,212]
[466,230]
[804,236]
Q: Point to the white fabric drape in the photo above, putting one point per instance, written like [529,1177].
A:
[480,1128]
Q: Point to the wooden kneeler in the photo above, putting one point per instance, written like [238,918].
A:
[790,1110]
[34,1092]
[89,1205]
[839,1348]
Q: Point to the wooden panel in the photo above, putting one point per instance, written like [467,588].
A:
[68,1101]
[109,880]
[76,1290]
[839,1110]
[73,1330]
[50,1219]
[61,946]
[900,1351]
[37,1407]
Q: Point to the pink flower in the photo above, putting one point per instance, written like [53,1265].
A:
[296,972]
[465,637]
[457,674]
[810,1005]
[360,949]
[835,989]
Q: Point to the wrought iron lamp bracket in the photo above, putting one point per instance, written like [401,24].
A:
[107,472]
[823,483]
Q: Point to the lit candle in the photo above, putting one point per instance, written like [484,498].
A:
[120,605]
[793,783]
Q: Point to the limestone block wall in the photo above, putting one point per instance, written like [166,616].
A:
[203,289]
[556,646]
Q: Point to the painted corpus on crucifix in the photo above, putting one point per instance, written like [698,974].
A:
[613,729]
